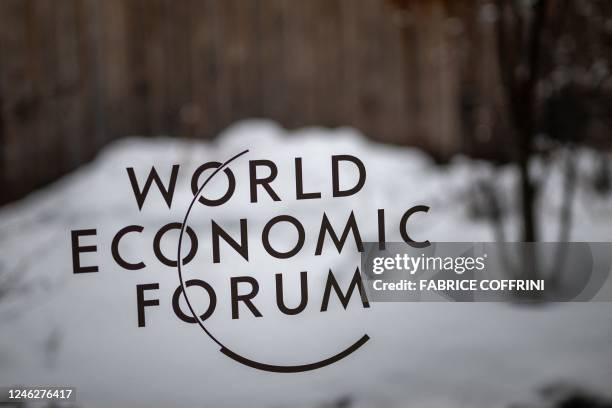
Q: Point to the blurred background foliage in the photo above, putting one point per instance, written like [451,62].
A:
[500,80]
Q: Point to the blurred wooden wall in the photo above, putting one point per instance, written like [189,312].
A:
[75,74]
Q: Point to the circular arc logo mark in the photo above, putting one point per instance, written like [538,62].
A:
[231,354]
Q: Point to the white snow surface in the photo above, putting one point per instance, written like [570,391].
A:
[58,328]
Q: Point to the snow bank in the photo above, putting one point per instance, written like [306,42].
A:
[81,330]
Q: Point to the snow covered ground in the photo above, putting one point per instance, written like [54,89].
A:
[57,328]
